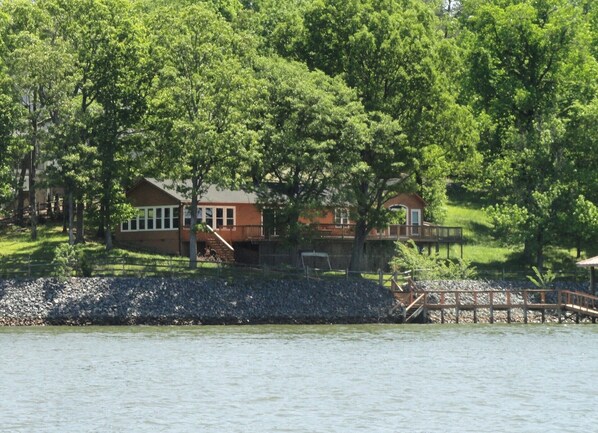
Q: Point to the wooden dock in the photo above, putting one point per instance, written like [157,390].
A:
[565,304]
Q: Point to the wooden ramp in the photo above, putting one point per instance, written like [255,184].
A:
[579,304]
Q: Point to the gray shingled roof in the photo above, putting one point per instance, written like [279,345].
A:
[214,194]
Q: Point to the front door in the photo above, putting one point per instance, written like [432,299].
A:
[415,222]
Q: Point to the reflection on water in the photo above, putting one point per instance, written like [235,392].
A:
[369,378]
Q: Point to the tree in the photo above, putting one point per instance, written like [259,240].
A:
[312,125]
[528,74]
[200,106]
[10,148]
[393,55]
[97,140]
[31,66]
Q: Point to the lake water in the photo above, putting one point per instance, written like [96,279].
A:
[372,378]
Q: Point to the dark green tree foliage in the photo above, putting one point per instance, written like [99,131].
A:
[528,74]
[312,127]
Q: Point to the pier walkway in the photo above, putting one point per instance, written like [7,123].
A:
[566,304]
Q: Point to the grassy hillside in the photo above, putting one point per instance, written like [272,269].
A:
[486,252]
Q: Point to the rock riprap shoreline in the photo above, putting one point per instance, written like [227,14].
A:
[126,301]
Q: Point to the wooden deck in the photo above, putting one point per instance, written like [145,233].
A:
[568,305]
[419,233]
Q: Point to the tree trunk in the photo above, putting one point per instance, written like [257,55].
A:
[528,253]
[70,218]
[32,185]
[108,223]
[80,238]
[101,224]
[109,245]
[540,251]
[357,253]
[193,228]
[20,193]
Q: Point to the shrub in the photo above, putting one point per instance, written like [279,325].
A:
[429,267]
[69,261]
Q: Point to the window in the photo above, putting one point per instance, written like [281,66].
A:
[215,217]
[415,221]
[153,218]
[141,218]
[175,217]
[159,218]
[219,217]
[210,217]
[187,221]
[166,224]
[341,216]
[150,218]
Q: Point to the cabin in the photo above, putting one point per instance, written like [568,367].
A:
[237,229]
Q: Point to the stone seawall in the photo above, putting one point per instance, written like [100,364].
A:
[126,301]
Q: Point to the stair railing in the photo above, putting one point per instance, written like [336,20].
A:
[220,238]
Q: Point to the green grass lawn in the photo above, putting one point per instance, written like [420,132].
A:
[22,257]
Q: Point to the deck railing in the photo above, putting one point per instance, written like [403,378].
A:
[426,233]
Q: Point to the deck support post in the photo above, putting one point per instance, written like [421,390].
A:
[457,309]
[525,306]
[491,299]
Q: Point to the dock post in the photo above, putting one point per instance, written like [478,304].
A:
[491,299]
[525,306]
[509,306]
[560,306]
[475,307]
[456,307]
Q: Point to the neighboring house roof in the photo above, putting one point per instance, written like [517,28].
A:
[213,195]
[588,263]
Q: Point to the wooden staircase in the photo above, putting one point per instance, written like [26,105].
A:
[224,251]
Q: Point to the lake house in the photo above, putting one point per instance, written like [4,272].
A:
[237,229]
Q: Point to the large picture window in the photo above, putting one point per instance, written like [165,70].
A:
[215,217]
[153,218]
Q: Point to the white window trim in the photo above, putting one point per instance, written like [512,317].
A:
[344,219]
[203,213]
[419,216]
[138,208]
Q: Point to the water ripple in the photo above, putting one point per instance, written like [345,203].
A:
[299,379]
